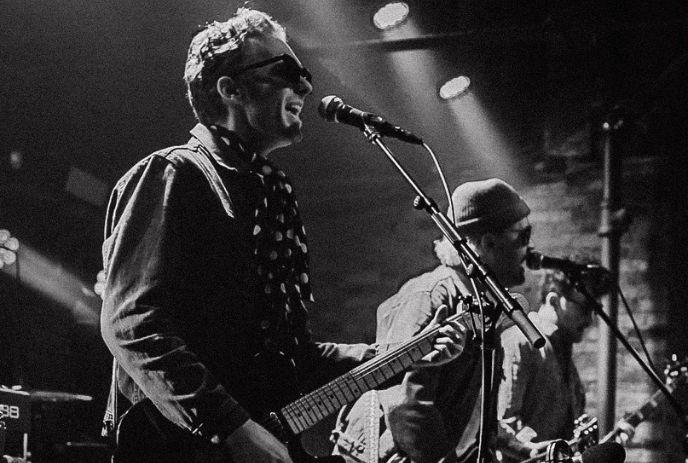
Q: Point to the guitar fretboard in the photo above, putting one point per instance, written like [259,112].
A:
[310,409]
[644,411]
[648,407]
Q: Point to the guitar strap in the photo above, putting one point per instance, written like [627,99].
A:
[373,425]
[110,418]
[361,445]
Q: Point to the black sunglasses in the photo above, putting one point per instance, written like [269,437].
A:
[523,235]
[288,68]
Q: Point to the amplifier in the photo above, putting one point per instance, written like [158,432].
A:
[15,411]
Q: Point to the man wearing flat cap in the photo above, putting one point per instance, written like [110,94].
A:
[434,415]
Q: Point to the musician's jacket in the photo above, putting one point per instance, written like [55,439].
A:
[541,388]
[181,311]
[432,415]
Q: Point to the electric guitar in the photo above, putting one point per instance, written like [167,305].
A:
[585,435]
[676,374]
[144,435]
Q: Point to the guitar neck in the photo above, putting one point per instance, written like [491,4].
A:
[638,416]
[310,409]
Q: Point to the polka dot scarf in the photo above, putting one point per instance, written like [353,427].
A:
[280,245]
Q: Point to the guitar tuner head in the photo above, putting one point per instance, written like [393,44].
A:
[584,417]
[676,369]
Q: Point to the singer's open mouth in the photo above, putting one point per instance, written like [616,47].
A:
[294,108]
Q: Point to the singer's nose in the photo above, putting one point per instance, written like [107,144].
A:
[303,87]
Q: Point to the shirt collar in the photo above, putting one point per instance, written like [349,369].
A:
[232,157]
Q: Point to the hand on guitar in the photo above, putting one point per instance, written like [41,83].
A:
[448,344]
[252,443]
[536,448]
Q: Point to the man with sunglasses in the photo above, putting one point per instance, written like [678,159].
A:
[206,258]
[541,394]
[434,415]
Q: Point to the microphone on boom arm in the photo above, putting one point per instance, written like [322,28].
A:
[333,109]
[537,261]
[597,279]
[608,452]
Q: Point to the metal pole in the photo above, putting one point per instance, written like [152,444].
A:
[611,228]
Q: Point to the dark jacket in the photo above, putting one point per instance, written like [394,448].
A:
[182,312]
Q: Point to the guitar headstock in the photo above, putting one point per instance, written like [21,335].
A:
[586,432]
[676,371]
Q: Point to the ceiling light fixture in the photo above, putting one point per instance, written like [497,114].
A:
[391,15]
[454,88]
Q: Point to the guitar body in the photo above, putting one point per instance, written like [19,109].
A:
[145,436]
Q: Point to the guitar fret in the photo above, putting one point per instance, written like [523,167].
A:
[360,386]
[304,413]
[387,371]
[335,396]
[299,424]
[348,395]
[408,360]
[324,403]
[292,420]
[378,377]
[370,385]
[313,408]
[398,364]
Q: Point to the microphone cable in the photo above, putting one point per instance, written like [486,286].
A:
[444,182]
[635,326]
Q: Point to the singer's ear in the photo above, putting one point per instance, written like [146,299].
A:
[488,241]
[227,88]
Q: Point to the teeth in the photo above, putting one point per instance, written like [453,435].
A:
[294,108]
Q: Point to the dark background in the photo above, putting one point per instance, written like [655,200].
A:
[89,87]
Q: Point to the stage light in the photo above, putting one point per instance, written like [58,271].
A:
[454,87]
[16,159]
[99,286]
[4,236]
[7,257]
[12,244]
[391,15]
[8,248]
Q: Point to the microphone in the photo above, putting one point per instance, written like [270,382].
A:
[537,261]
[558,451]
[609,452]
[333,109]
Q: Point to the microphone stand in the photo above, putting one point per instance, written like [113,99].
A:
[475,266]
[474,269]
[576,279]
